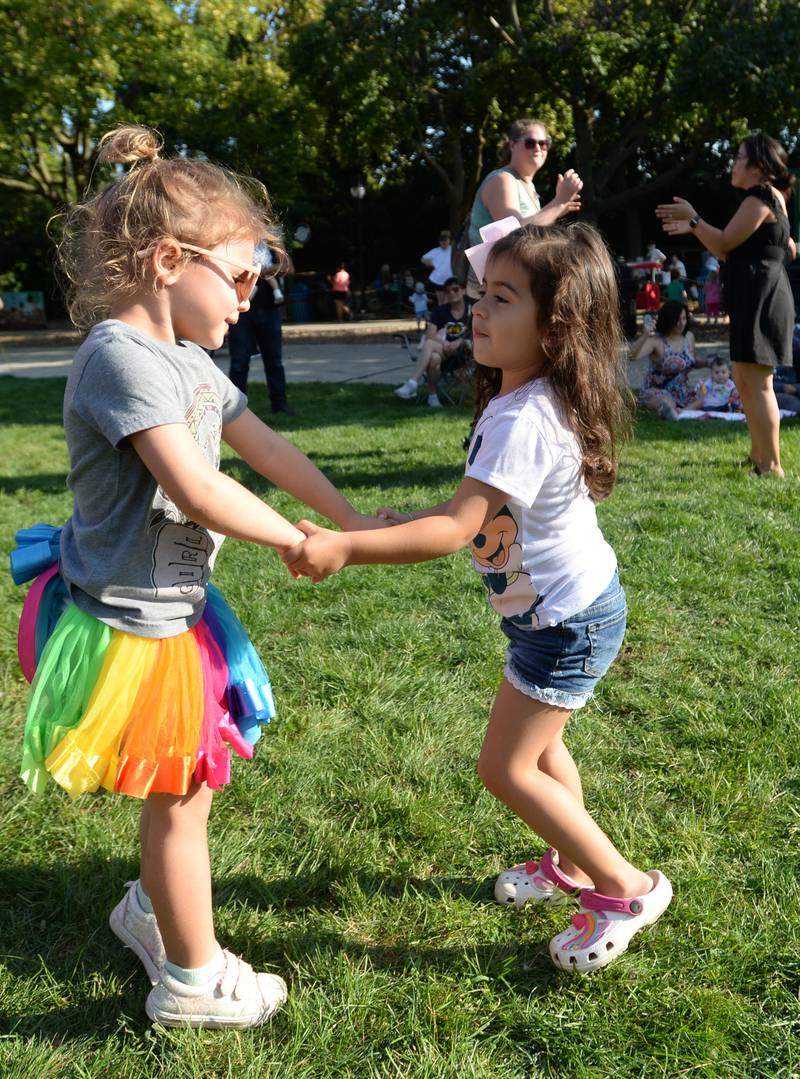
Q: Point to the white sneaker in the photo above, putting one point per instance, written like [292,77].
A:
[604,927]
[235,998]
[139,931]
[433,401]
[407,390]
[277,295]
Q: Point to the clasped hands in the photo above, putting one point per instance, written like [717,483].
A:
[325,551]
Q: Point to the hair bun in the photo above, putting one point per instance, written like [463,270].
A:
[129,144]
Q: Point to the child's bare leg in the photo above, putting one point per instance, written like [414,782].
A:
[176,873]
[520,729]
[556,761]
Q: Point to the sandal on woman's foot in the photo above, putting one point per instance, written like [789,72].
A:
[541,882]
[605,926]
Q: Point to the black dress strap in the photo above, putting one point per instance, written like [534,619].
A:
[767,195]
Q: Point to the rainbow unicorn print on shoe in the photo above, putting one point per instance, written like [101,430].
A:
[539,882]
[605,925]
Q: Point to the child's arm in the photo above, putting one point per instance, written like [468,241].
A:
[421,539]
[206,496]
[283,464]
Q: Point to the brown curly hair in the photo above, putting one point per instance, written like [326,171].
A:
[573,282]
[191,201]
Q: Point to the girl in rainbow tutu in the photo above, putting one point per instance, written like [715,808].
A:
[143,679]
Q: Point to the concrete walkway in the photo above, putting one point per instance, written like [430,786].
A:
[317,352]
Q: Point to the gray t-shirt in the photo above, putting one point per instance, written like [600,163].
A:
[128,554]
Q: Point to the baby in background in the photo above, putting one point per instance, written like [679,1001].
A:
[717,393]
[419,301]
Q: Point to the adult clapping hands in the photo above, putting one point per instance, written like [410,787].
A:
[756,246]
[509,191]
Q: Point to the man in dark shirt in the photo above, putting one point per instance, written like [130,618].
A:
[259,329]
[446,343]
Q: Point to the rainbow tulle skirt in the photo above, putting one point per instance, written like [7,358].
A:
[127,713]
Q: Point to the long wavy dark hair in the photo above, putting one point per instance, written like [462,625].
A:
[573,282]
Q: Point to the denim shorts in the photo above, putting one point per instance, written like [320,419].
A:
[561,665]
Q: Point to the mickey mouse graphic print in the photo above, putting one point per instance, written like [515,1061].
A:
[542,557]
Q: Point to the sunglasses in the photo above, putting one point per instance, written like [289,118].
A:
[531,144]
[247,277]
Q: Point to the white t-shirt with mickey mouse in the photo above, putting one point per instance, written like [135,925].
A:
[543,557]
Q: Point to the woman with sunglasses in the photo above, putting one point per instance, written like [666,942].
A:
[508,191]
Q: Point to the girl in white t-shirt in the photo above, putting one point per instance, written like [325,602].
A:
[546,340]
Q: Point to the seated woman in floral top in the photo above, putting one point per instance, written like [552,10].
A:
[670,349]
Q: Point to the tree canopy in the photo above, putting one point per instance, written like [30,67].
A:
[411,95]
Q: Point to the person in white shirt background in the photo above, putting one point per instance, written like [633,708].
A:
[439,262]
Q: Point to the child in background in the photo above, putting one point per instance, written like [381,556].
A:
[549,409]
[147,676]
[712,296]
[676,290]
[717,393]
[419,301]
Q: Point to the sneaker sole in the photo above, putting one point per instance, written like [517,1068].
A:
[211,1022]
[119,930]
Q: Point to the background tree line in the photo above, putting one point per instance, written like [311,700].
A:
[644,98]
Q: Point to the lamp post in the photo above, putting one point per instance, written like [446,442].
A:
[358,191]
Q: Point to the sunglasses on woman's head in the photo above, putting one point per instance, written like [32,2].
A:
[531,144]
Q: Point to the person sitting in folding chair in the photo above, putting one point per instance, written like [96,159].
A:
[446,344]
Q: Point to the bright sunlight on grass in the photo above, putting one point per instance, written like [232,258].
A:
[355,855]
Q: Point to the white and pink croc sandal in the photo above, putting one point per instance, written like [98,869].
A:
[541,882]
[605,926]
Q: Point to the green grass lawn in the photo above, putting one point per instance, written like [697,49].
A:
[355,855]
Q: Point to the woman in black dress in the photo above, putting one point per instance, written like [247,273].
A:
[757,247]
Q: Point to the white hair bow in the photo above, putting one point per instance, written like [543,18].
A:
[490,234]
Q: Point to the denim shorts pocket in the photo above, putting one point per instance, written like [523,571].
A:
[605,640]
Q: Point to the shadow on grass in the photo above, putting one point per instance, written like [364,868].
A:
[54,928]
[335,467]
[48,483]
[316,404]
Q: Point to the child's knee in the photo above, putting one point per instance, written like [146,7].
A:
[492,770]
[502,774]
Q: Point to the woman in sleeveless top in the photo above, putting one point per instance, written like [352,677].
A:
[757,247]
[665,387]
[509,191]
